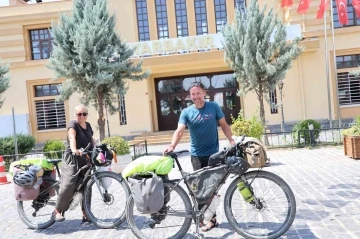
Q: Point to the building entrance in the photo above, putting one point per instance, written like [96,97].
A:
[172,96]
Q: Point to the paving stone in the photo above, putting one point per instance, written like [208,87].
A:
[326,185]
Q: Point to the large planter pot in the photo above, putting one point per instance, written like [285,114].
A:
[352,146]
[122,161]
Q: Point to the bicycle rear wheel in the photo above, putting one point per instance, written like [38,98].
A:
[38,213]
[105,202]
[274,212]
[172,221]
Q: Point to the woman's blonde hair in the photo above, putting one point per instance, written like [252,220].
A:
[81,107]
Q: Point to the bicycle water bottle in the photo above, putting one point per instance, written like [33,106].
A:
[245,191]
[209,213]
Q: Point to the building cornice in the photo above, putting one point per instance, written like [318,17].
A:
[34,11]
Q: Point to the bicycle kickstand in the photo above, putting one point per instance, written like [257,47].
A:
[196,233]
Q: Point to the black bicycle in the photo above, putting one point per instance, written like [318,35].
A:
[104,197]
[258,204]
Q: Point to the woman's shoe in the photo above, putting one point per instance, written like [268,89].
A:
[58,217]
[210,225]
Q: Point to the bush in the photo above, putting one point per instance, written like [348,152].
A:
[120,145]
[302,128]
[25,144]
[354,130]
[54,148]
[7,146]
[249,127]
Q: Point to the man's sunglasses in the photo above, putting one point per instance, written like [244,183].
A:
[82,114]
[197,84]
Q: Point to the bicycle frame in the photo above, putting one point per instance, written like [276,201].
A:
[55,184]
[193,199]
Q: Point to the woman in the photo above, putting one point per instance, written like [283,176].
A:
[80,134]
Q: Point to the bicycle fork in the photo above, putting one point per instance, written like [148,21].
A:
[106,197]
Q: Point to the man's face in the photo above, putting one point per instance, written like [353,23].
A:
[197,95]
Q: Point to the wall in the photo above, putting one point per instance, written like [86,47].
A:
[304,93]
[21,124]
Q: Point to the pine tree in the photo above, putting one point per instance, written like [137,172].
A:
[4,81]
[91,57]
[257,51]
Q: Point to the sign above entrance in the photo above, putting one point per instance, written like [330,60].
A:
[186,44]
[177,45]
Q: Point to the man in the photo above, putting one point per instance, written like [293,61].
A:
[202,120]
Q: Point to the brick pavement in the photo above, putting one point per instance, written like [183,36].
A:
[326,185]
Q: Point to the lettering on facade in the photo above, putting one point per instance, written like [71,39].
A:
[193,43]
[178,45]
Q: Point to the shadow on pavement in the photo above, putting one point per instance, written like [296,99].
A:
[75,225]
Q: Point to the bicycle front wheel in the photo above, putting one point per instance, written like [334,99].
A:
[172,221]
[105,199]
[272,214]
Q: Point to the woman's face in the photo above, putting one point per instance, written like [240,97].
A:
[81,115]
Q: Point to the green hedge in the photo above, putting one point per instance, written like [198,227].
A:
[7,146]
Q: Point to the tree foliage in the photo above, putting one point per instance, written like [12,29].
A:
[91,58]
[257,50]
[4,81]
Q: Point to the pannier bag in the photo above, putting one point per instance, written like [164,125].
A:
[26,191]
[203,183]
[27,182]
[147,192]
[159,165]
[25,194]
[45,185]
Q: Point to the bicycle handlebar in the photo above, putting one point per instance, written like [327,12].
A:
[84,150]
[176,153]
[231,148]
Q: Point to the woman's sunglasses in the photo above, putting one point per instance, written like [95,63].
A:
[82,114]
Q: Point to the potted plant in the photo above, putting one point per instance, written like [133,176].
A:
[352,140]
[122,149]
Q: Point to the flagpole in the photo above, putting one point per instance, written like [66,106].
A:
[335,65]
[327,67]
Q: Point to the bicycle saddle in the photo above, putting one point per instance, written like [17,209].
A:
[176,153]
[54,161]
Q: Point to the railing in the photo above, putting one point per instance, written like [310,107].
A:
[139,149]
[303,138]
[11,158]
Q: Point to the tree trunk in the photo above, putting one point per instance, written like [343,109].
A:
[101,118]
[260,94]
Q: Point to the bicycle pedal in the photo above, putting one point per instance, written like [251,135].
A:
[198,235]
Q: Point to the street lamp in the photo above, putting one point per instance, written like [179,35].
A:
[281,85]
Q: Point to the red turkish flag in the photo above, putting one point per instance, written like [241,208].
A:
[303,6]
[286,3]
[322,8]
[356,5]
[342,11]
